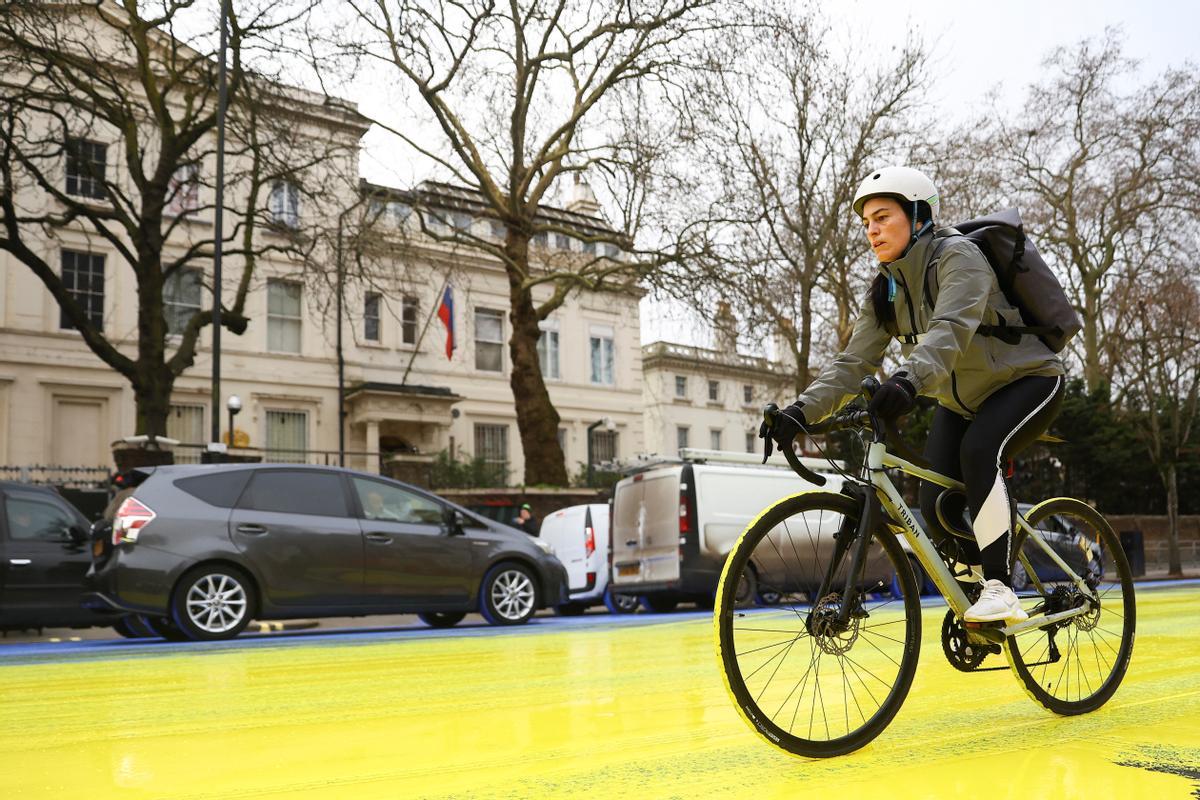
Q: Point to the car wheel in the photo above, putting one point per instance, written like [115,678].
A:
[769,597]
[706,602]
[508,595]
[570,609]
[162,627]
[1020,578]
[659,603]
[213,602]
[442,619]
[620,603]
[131,627]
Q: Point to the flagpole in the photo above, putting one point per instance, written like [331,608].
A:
[417,347]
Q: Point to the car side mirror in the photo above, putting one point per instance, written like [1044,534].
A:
[78,534]
[455,522]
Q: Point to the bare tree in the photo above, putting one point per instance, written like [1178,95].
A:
[1159,365]
[1094,168]
[521,96]
[792,127]
[107,135]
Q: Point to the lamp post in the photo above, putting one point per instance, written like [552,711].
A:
[609,425]
[219,228]
[234,405]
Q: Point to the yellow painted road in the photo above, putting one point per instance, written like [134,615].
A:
[587,708]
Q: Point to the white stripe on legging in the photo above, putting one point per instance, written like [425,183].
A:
[995,515]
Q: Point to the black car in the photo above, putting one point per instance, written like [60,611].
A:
[45,551]
[201,550]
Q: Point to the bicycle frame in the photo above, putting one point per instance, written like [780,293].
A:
[879,459]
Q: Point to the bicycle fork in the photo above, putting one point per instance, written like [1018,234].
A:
[854,540]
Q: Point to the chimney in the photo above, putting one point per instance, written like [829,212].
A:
[725,329]
[581,199]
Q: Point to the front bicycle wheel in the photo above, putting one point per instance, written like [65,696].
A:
[1073,666]
[802,678]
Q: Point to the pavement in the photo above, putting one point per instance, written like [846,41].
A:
[590,706]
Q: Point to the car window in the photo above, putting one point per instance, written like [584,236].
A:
[218,489]
[32,517]
[382,501]
[296,492]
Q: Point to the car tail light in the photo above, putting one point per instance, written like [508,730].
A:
[131,517]
[685,524]
[589,539]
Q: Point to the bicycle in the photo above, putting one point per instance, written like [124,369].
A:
[808,586]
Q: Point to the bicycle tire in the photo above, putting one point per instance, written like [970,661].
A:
[791,616]
[1092,640]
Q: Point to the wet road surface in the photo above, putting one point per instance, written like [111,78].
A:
[581,707]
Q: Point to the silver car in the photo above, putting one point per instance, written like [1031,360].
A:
[201,550]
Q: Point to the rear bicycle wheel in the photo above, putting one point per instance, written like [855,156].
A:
[802,680]
[1073,666]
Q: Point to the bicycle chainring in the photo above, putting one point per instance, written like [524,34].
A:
[963,655]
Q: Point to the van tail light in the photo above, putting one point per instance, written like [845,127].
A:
[589,540]
[685,524]
[131,517]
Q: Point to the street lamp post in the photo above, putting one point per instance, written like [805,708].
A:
[609,425]
[219,229]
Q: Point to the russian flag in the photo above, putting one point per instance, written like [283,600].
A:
[446,315]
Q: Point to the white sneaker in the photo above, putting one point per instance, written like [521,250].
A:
[996,603]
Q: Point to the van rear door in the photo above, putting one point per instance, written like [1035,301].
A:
[645,528]
[563,531]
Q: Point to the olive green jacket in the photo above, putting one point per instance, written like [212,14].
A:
[941,353]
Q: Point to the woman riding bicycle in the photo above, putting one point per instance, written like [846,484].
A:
[994,398]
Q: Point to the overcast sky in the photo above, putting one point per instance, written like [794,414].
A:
[977,46]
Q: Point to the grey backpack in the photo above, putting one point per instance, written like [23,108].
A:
[1024,278]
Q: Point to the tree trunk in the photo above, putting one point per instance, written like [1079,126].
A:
[152,399]
[537,419]
[804,357]
[1093,374]
[1174,563]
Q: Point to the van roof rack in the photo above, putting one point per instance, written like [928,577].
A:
[696,455]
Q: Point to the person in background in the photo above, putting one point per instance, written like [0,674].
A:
[526,521]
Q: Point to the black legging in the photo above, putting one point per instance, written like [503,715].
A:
[976,451]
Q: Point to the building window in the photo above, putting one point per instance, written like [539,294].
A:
[681,436]
[183,191]
[714,390]
[86,164]
[562,241]
[540,239]
[284,204]
[562,441]
[747,394]
[588,247]
[181,298]
[185,423]
[491,444]
[83,277]
[714,439]
[371,316]
[283,316]
[408,319]
[287,436]
[489,340]
[751,443]
[602,357]
[499,229]
[681,386]
[604,447]
[400,212]
[547,348]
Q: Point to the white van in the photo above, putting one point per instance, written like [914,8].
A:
[578,536]
[675,523]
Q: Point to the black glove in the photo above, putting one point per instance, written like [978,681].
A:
[789,423]
[895,397]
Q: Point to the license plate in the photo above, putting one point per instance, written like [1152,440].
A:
[628,569]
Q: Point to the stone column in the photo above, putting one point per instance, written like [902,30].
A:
[373,462]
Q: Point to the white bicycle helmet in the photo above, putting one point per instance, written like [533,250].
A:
[906,182]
